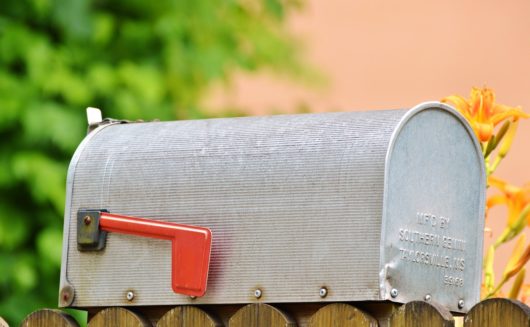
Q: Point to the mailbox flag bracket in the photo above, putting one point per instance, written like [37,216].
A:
[190,245]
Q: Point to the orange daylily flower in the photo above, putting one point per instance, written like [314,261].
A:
[515,198]
[482,112]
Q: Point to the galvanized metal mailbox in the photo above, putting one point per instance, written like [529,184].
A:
[352,206]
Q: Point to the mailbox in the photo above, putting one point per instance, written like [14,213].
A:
[326,207]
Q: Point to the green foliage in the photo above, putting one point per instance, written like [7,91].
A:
[137,60]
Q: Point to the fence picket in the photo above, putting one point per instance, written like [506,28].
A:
[48,317]
[116,317]
[341,315]
[188,316]
[260,315]
[421,314]
[498,313]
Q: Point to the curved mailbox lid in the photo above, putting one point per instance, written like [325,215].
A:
[294,203]
[433,214]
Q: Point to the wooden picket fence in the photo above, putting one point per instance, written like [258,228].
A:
[488,313]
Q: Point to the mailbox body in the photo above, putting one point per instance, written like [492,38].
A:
[381,205]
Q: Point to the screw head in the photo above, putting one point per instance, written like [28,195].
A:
[257,293]
[461,304]
[67,296]
[394,292]
[87,220]
[427,297]
[130,296]
[323,292]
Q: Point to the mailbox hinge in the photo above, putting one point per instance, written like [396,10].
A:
[89,236]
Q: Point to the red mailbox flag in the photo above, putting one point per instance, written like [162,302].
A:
[190,254]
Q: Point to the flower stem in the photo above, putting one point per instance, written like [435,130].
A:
[513,229]
[501,284]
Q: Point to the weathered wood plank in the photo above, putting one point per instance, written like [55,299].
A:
[498,313]
[421,314]
[381,311]
[188,316]
[118,317]
[260,315]
[341,315]
[48,317]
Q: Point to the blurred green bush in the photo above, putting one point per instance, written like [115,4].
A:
[137,60]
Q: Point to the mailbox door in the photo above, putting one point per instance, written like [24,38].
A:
[433,217]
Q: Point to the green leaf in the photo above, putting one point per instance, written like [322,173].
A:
[24,274]
[59,125]
[12,99]
[13,231]
[73,16]
[143,80]
[44,177]
[64,82]
[104,28]
[102,78]
[49,245]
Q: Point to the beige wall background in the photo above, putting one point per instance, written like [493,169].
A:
[396,54]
